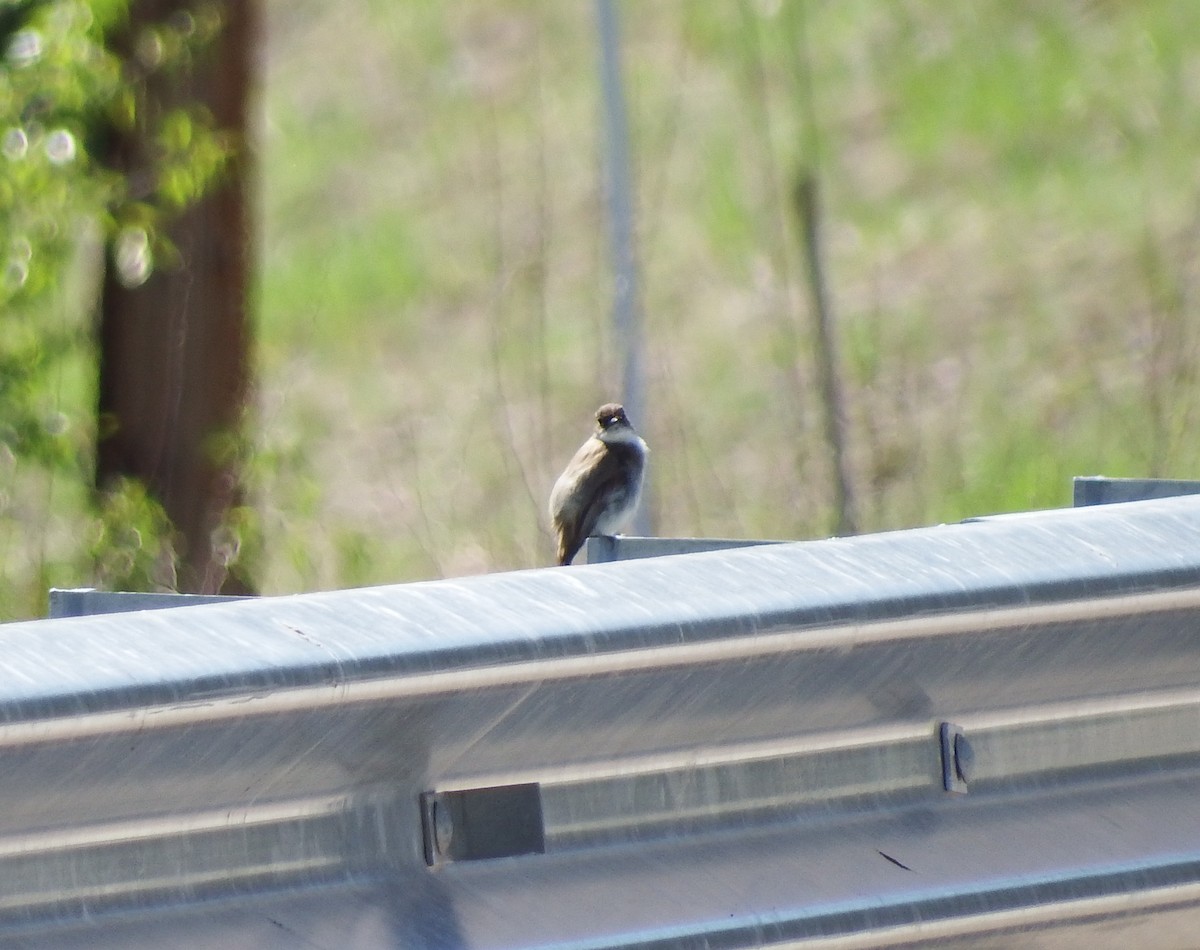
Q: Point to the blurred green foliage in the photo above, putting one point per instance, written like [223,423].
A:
[130,541]
[65,89]
[55,75]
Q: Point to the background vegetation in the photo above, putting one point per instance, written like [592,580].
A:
[67,91]
[1012,217]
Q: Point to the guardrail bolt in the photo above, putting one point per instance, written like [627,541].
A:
[958,757]
[964,757]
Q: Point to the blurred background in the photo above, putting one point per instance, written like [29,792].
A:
[374,236]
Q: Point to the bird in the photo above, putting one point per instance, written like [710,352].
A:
[601,486]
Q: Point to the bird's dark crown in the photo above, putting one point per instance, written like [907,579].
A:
[611,414]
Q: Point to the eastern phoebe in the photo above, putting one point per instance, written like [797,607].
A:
[600,487]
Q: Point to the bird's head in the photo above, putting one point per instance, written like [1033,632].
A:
[613,426]
[610,415]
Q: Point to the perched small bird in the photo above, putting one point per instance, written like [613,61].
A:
[599,490]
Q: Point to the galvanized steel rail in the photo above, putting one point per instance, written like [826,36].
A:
[971,735]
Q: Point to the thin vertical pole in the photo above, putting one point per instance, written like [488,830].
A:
[833,397]
[807,200]
[627,330]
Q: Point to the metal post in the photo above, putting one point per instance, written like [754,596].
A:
[619,194]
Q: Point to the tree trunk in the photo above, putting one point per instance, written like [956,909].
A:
[175,350]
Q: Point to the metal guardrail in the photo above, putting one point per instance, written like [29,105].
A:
[1101,490]
[972,735]
[602,549]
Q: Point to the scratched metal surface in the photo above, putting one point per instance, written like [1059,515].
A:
[727,749]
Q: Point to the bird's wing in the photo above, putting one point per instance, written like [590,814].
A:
[606,480]
[564,494]
[577,501]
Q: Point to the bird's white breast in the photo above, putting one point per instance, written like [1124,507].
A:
[623,436]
